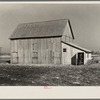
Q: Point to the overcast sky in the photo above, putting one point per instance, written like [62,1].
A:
[84,18]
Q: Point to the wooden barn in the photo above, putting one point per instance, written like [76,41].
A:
[46,42]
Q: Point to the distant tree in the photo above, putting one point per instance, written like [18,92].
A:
[95,52]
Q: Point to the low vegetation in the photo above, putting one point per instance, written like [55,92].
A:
[49,75]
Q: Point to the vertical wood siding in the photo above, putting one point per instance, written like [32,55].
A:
[71,53]
[14,52]
[20,51]
[67,35]
[37,51]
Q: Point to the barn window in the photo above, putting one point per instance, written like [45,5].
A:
[64,49]
[35,57]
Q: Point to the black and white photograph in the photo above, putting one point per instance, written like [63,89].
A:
[56,44]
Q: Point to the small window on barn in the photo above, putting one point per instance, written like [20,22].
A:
[64,49]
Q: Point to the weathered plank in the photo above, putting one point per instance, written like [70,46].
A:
[20,51]
[14,55]
[11,46]
[14,58]
[39,51]
[35,51]
[26,58]
[30,51]
[14,46]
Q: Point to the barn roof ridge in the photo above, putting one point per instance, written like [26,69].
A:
[67,19]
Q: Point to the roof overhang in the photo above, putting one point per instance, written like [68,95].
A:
[34,37]
[77,47]
[71,29]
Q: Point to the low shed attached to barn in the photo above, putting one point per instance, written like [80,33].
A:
[46,42]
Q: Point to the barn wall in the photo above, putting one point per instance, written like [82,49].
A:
[48,50]
[43,51]
[36,51]
[67,35]
[87,57]
[14,52]
[71,53]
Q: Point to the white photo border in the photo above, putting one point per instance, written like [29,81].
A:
[55,92]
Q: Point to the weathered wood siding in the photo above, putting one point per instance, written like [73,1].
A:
[14,52]
[67,35]
[72,52]
[36,51]
[87,57]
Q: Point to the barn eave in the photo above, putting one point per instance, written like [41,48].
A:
[35,37]
[77,47]
[71,29]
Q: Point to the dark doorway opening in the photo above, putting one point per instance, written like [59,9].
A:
[80,58]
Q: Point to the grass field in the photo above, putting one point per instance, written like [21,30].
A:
[49,75]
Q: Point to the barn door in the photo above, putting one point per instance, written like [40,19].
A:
[80,58]
[34,52]
[35,57]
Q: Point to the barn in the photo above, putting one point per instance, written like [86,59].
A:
[46,42]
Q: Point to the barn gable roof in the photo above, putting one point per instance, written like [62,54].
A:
[77,47]
[41,29]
